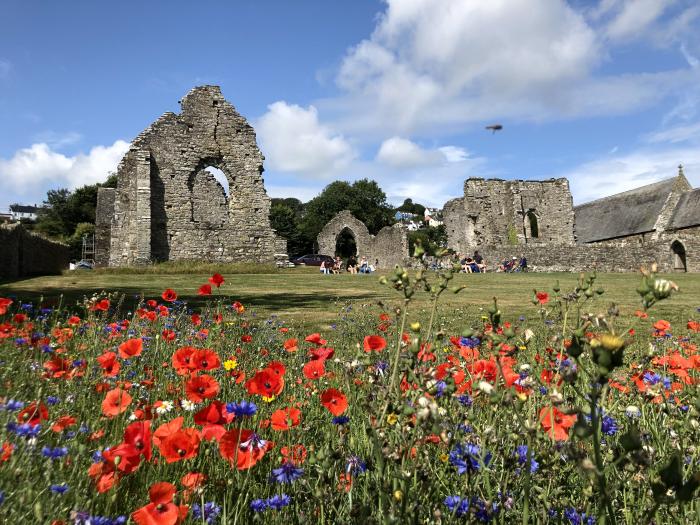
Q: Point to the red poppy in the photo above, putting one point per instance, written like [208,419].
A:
[321,352]
[290,345]
[161,510]
[335,401]
[542,297]
[196,319]
[265,382]
[246,338]
[315,369]
[295,454]
[167,429]
[556,423]
[182,360]
[315,339]
[33,414]
[284,419]
[115,402]
[63,423]
[201,387]
[243,447]
[193,480]
[138,435]
[205,289]
[238,307]
[374,343]
[131,348]
[205,359]
[101,306]
[168,335]
[212,419]
[6,451]
[169,295]
[217,279]
[109,363]
[19,318]
[694,326]
[4,305]
[180,445]
[662,325]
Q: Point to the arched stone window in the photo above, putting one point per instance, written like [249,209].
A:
[209,196]
[345,243]
[532,225]
[678,254]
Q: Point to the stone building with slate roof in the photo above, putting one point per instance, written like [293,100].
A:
[658,223]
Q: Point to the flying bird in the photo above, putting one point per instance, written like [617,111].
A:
[494,128]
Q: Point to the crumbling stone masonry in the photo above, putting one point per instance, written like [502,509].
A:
[389,247]
[168,206]
[24,253]
[510,212]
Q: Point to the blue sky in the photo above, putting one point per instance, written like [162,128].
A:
[606,93]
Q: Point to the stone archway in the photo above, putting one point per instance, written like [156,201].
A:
[679,257]
[343,222]
[386,250]
[345,244]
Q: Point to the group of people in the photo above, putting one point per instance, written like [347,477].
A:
[353,266]
[513,265]
[474,264]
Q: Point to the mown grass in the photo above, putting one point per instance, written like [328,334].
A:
[304,297]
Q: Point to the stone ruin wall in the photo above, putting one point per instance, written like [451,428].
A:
[495,212]
[480,221]
[389,246]
[25,253]
[168,207]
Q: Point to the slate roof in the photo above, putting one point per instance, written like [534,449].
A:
[21,208]
[687,212]
[628,213]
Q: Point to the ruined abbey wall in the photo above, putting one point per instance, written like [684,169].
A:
[389,246]
[510,212]
[167,206]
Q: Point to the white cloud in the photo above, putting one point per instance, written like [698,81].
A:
[614,174]
[31,171]
[683,133]
[294,140]
[402,153]
[633,17]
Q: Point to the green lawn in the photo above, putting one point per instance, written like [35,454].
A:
[303,296]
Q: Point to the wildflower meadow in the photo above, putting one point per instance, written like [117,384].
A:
[171,414]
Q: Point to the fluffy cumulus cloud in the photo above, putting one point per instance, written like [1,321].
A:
[439,65]
[295,141]
[618,173]
[31,171]
[399,153]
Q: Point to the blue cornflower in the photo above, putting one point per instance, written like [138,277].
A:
[209,512]
[258,505]
[465,400]
[440,388]
[341,420]
[54,453]
[242,409]
[609,426]
[381,366]
[59,489]
[578,518]
[84,518]
[355,466]
[52,400]
[469,342]
[278,501]
[286,473]
[651,378]
[521,454]
[467,458]
[484,512]
[12,405]
[24,430]
[46,349]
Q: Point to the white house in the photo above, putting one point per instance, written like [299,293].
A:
[20,211]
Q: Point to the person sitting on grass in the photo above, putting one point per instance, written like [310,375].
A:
[352,264]
[337,265]
[364,265]
[479,260]
[324,269]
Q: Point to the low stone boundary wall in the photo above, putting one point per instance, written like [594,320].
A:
[23,254]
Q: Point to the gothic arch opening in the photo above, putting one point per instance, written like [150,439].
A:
[679,258]
[345,244]
[532,225]
[209,194]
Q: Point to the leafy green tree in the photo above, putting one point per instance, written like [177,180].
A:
[285,220]
[409,206]
[364,198]
[432,238]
